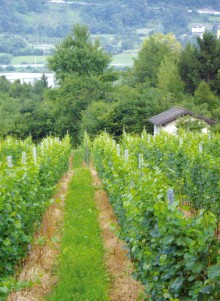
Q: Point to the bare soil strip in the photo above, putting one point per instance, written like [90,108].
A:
[123,287]
[39,265]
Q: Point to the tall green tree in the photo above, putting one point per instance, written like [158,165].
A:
[78,55]
[201,62]
[188,68]
[72,98]
[204,94]
[23,110]
[169,79]
[149,59]
[130,110]
[208,55]
[97,118]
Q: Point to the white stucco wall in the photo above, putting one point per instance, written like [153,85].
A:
[171,127]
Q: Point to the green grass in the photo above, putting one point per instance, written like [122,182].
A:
[81,270]
[124,59]
[102,36]
[17,60]
[214,19]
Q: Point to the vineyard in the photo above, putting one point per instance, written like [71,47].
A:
[165,193]
[28,177]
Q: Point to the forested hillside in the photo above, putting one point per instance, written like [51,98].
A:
[11,13]
[101,16]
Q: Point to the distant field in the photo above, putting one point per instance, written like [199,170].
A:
[101,36]
[124,59]
[214,19]
[18,60]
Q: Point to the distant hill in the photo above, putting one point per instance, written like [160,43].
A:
[27,27]
[115,16]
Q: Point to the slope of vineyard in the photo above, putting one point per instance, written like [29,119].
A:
[190,162]
[28,177]
[176,257]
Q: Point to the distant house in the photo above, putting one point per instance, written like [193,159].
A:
[218,33]
[198,30]
[168,120]
[208,11]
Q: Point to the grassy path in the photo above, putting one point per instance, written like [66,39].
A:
[81,270]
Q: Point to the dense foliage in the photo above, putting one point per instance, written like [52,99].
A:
[91,96]
[189,161]
[23,110]
[153,51]
[10,20]
[119,16]
[28,180]
[78,55]
[12,11]
[201,62]
[176,257]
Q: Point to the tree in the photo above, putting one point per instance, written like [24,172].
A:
[187,123]
[201,62]
[135,106]
[5,59]
[203,94]
[169,79]
[40,86]
[208,56]
[97,118]
[4,84]
[188,68]
[72,98]
[153,51]
[78,55]
[23,110]
[130,109]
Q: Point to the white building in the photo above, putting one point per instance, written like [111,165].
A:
[30,78]
[168,120]
[207,11]
[198,30]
